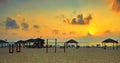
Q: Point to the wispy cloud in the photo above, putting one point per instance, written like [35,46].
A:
[20,17]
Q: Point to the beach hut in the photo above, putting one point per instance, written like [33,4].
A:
[109,40]
[38,42]
[2,42]
[71,41]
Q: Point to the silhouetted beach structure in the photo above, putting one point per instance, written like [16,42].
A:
[32,43]
[109,40]
[3,43]
[71,41]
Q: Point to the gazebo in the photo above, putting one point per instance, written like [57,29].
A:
[109,40]
[72,41]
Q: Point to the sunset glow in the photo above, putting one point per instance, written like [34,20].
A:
[62,19]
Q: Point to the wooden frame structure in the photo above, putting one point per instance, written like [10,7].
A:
[114,42]
[55,45]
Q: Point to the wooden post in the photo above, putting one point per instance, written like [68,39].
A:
[102,45]
[116,45]
[47,46]
[55,44]
[19,47]
[2,45]
[113,45]
[29,44]
[9,48]
[12,48]
[64,47]
[16,47]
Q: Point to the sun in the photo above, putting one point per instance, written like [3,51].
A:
[92,31]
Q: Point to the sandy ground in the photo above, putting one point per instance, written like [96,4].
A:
[72,55]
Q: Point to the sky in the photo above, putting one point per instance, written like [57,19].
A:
[82,20]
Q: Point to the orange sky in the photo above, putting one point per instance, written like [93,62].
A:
[73,19]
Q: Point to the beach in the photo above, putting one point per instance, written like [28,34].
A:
[72,55]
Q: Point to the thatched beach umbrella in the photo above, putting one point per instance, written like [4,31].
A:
[2,42]
[109,40]
[29,41]
[38,42]
[21,42]
[72,41]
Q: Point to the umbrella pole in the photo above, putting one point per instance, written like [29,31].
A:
[113,45]
[47,46]
[9,48]
[116,45]
[55,45]
[12,48]
[64,48]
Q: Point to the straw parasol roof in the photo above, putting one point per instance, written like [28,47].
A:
[109,40]
[20,41]
[35,40]
[2,41]
[72,41]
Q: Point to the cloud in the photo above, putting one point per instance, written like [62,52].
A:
[115,5]
[36,26]
[79,20]
[25,26]
[62,16]
[56,31]
[11,24]
[20,17]
[71,32]
[64,33]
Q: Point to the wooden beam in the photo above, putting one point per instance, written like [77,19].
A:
[64,47]
[47,46]
[55,45]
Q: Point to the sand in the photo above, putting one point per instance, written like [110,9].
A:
[72,55]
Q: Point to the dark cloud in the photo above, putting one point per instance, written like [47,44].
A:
[116,5]
[80,20]
[11,24]
[60,16]
[108,32]
[36,26]
[64,33]
[71,32]
[56,31]
[25,26]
